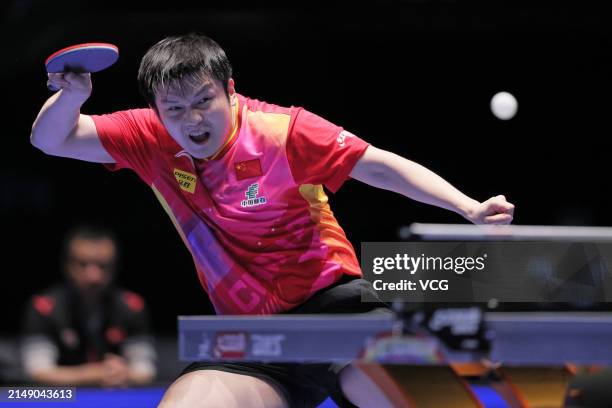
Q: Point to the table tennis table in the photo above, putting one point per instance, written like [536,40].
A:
[518,338]
[531,360]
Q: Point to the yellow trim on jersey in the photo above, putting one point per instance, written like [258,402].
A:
[168,211]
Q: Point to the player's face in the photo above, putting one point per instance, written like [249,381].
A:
[90,264]
[197,114]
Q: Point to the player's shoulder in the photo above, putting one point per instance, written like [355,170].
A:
[48,302]
[257,106]
[303,113]
[269,120]
[128,301]
[137,118]
[264,114]
[136,113]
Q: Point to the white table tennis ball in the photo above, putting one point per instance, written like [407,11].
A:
[504,105]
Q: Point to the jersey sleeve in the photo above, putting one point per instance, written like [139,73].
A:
[129,137]
[38,348]
[138,347]
[135,315]
[320,152]
[37,319]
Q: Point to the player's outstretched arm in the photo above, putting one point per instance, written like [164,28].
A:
[386,170]
[60,129]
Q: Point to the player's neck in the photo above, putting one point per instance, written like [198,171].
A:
[232,133]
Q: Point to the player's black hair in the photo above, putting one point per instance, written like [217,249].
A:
[181,57]
[90,232]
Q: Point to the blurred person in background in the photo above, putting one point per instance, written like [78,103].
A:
[86,330]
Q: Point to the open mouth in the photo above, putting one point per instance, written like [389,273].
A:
[199,138]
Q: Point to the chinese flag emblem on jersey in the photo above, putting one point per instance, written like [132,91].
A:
[248,169]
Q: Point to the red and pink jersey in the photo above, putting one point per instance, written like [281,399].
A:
[256,218]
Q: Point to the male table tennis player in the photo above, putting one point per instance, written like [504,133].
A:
[242,181]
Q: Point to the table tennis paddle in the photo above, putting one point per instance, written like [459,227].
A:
[80,58]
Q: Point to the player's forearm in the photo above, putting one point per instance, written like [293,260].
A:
[392,172]
[140,377]
[85,374]
[55,121]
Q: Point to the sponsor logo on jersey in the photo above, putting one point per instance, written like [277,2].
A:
[70,338]
[251,197]
[342,137]
[187,181]
[115,335]
[44,305]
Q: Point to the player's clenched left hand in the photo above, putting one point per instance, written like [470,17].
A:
[496,210]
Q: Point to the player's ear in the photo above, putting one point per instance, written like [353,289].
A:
[231,90]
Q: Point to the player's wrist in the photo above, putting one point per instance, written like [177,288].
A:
[92,373]
[73,98]
[66,104]
[469,209]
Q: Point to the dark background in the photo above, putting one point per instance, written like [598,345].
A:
[413,77]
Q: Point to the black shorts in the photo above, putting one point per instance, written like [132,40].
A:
[308,385]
